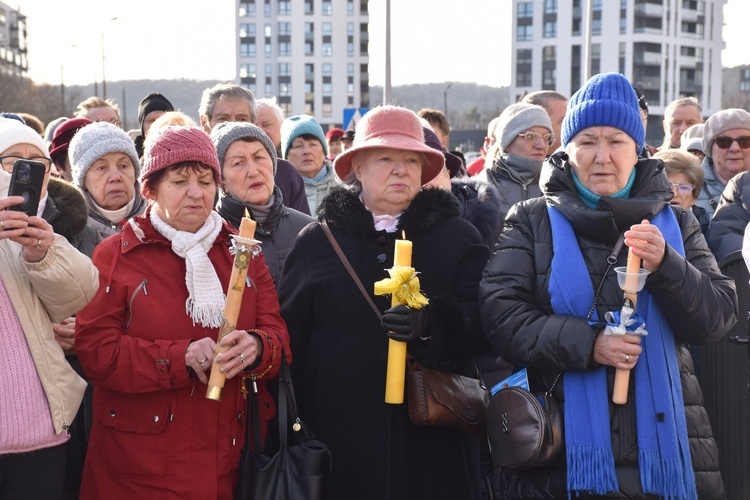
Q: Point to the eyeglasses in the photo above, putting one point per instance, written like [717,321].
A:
[533,137]
[9,161]
[724,142]
[683,189]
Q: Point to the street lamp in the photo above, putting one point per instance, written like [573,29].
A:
[104,79]
[445,98]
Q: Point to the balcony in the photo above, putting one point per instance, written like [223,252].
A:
[649,10]
[648,58]
[688,61]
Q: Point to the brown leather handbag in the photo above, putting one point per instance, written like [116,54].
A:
[446,399]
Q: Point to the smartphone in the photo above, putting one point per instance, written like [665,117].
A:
[26,181]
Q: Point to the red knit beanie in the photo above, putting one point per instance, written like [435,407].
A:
[175,144]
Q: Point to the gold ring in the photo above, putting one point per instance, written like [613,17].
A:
[627,358]
[38,243]
[242,358]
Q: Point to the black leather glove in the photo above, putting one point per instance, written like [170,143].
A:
[404,323]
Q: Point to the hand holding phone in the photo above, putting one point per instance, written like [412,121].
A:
[27,181]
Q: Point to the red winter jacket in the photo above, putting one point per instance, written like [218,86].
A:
[154,433]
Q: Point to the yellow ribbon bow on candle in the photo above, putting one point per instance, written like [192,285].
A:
[404,285]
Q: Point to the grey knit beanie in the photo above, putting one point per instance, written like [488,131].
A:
[721,121]
[295,126]
[517,118]
[224,134]
[94,141]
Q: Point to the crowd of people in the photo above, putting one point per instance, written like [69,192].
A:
[113,293]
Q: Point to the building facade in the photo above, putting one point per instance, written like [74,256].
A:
[667,48]
[13,46]
[312,55]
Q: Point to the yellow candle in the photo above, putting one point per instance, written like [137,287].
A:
[396,368]
[235,289]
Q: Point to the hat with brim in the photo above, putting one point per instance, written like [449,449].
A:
[391,127]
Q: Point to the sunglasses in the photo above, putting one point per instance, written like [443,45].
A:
[724,142]
[683,189]
[533,137]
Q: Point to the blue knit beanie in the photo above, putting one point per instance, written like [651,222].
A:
[606,100]
[295,126]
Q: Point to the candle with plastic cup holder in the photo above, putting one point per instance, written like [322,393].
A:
[243,244]
[631,288]
[396,367]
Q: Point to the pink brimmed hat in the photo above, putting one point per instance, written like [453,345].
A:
[394,128]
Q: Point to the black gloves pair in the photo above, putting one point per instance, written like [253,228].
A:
[404,323]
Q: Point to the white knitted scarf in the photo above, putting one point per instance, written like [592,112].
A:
[205,302]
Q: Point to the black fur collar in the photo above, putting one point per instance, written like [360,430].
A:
[342,209]
[66,210]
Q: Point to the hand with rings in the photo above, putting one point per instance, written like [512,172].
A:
[34,234]
[243,349]
[200,356]
[620,351]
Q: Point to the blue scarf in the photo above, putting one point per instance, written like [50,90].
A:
[664,454]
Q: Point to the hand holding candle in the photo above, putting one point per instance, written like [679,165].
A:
[235,289]
[631,288]
[403,285]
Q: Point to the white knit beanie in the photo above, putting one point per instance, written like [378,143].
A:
[13,132]
[94,141]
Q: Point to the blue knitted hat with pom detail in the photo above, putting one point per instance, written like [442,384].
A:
[606,100]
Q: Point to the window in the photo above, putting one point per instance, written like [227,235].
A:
[327,89]
[350,29]
[285,7]
[248,50]
[326,8]
[327,109]
[267,31]
[350,49]
[525,10]
[326,49]
[247,30]
[267,8]
[349,7]
[523,79]
[327,28]
[550,6]
[285,29]
[549,77]
[550,53]
[267,50]
[247,9]
[524,56]
[285,49]
[349,69]
[327,69]
[247,70]
[550,29]
[524,33]
[285,69]
[596,58]
[309,9]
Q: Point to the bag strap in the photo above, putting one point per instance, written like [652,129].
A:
[286,397]
[349,268]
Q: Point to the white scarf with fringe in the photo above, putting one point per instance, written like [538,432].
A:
[206,299]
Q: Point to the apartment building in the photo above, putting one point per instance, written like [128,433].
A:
[13,42]
[312,55]
[668,48]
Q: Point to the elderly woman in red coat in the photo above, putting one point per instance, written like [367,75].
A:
[147,341]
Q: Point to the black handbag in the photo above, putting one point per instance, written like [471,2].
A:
[526,430]
[296,471]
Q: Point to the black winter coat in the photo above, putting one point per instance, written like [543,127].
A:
[339,346]
[731,217]
[697,300]
[67,213]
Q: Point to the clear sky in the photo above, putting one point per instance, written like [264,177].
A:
[431,40]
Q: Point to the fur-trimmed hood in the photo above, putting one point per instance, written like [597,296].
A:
[479,202]
[68,212]
[343,209]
